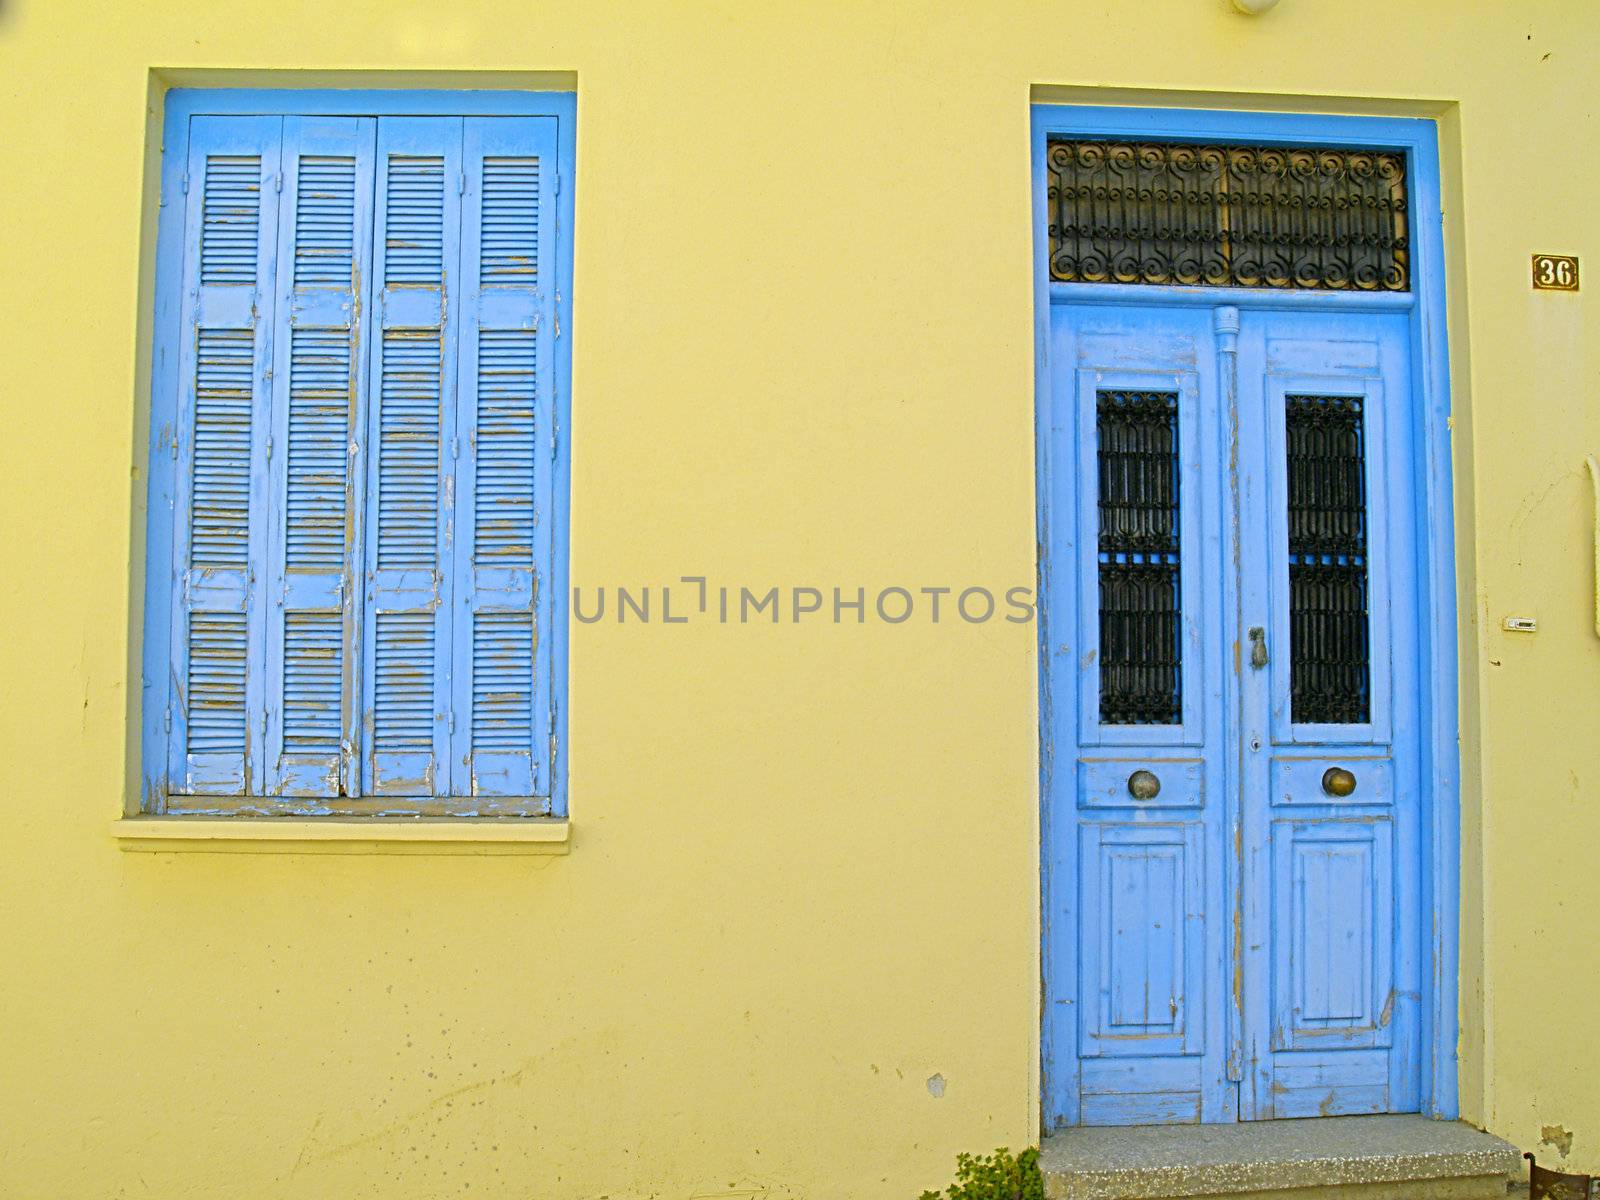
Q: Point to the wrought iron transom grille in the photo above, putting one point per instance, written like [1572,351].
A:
[1140,649]
[1329,673]
[1228,216]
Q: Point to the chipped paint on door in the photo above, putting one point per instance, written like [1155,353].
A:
[1244,925]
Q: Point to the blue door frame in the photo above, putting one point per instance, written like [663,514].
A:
[1416,321]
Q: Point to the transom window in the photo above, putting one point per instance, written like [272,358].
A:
[1228,216]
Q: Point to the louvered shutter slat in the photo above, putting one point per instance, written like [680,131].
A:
[411,432]
[219,500]
[502,691]
[325,236]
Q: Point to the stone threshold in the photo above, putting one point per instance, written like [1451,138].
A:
[1406,1157]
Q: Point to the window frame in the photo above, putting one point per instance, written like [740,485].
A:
[160,587]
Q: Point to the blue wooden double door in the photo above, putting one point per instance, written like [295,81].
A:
[1232,916]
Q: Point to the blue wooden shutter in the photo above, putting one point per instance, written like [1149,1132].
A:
[411,450]
[502,681]
[324,250]
[220,499]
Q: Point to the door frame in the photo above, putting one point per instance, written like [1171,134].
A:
[1435,614]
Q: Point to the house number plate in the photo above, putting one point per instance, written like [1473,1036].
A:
[1555,272]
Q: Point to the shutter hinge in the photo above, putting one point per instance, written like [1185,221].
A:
[451,721]
[167,720]
[186,183]
[461,184]
[277,181]
[455,447]
[269,447]
[558,183]
[555,441]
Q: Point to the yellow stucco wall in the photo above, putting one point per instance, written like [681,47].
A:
[804,873]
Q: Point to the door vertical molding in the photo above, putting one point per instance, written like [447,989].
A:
[1225,327]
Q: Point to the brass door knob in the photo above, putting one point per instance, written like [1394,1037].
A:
[1143,785]
[1336,781]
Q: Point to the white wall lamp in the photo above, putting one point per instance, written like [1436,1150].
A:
[1254,8]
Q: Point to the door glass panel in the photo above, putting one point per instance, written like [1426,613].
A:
[1329,676]
[1140,657]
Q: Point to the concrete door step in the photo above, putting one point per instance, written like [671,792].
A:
[1322,1158]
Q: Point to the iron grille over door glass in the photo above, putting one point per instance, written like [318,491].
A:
[1140,679]
[1328,641]
[1228,216]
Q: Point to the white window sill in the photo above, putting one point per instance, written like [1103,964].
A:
[350,835]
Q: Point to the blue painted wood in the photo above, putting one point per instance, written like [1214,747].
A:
[1332,894]
[1143,952]
[1214,297]
[276,699]
[219,454]
[1103,782]
[162,587]
[413,453]
[1438,726]
[1118,350]
[1360,854]
[318,396]
[1297,780]
[1135,905]
[1333,948]
[1308,355]
[183,103]
[1418,1070]
[561,478]
[506,420]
